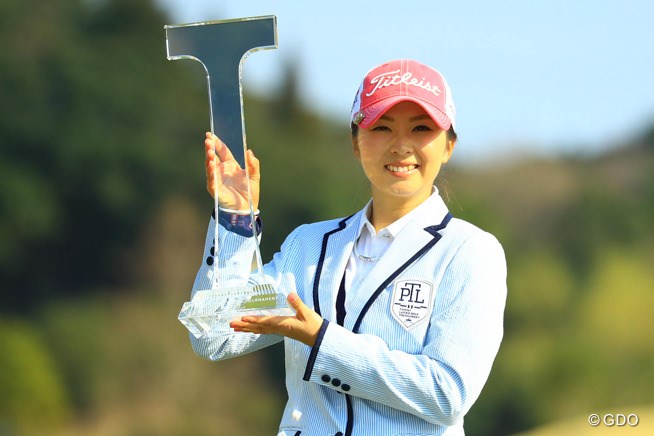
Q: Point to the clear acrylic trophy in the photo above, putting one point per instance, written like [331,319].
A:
[221,47]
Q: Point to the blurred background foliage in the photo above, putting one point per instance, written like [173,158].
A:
[103,215]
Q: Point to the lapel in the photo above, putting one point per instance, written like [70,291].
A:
[336,248]
[417,237]
[414,239]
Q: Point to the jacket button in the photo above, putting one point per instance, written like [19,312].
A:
[212,251]
[210,260]
[340,433]
[345,387]
[336,382]
[326,378]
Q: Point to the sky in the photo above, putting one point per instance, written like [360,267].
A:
[545,77]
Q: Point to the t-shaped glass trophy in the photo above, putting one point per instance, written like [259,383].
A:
[221,47]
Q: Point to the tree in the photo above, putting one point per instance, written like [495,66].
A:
[91,121]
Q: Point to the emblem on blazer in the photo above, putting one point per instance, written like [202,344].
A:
[411,302]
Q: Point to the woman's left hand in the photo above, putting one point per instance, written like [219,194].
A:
[304,326]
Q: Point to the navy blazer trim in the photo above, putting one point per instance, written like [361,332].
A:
[350,416]
[321,260]
[433,230]
[314,350]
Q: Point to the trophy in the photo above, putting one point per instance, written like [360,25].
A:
[221,47]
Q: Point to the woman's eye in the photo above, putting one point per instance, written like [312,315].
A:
[423,128]
[381,128]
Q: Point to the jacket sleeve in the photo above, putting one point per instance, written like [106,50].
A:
[441,383]
[234,256]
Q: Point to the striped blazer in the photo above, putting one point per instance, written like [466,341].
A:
[416,344]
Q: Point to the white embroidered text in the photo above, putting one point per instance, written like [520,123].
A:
[393,78]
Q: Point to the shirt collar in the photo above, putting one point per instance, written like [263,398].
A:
[395,227]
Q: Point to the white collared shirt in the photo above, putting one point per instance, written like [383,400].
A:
[371,245]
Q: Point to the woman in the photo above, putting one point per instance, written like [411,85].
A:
[398,307]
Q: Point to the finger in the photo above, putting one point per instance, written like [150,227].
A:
[223,152]
[239,326]
[212,181]
[253,166]
[209,142]
[209,153]
[258,325]
[209,149]
[296,303]
[209,161]
[253,319]
[249,321]
[210,156]
[210,166]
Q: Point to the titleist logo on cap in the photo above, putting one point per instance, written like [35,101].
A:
[393,78]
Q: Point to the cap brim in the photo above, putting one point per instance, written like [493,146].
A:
[373,112]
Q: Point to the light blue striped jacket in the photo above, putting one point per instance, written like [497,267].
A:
[418,340]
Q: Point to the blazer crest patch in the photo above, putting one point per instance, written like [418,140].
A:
[411,302]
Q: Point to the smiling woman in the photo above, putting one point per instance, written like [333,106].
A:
[399,307]
[401,154]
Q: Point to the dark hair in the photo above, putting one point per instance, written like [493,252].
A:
[451,134]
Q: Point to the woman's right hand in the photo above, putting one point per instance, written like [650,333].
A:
[231,180]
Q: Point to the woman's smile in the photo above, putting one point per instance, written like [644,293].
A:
[401,170]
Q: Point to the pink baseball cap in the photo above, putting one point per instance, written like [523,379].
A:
[403,80]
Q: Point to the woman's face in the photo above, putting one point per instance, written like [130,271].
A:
[402,153]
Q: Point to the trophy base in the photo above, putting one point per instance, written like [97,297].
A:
[210,311]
